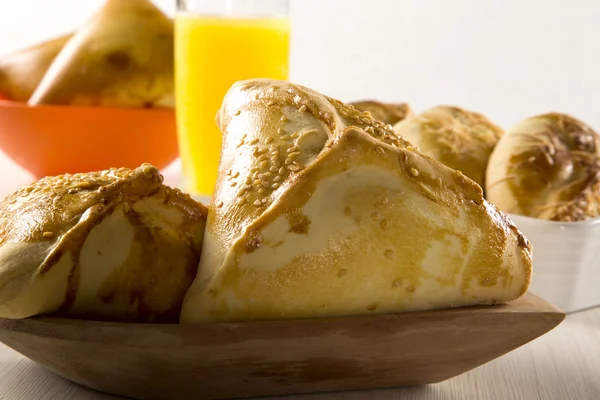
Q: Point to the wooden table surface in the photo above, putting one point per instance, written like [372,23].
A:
[563,365]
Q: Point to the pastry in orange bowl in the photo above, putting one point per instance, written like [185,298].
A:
[22,71]
[121,57]
[72,98]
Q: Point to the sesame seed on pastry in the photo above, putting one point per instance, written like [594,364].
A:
[321,210]
[384,112]
[110,245]
[457,138]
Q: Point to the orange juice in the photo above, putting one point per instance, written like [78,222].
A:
[211,53]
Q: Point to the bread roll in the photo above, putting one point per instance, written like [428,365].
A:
[384,112]
[547,167]
[320,210]
[458,138]
[114,245]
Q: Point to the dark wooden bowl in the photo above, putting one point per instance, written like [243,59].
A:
[227,360]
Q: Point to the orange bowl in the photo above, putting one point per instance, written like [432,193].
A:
[52,140]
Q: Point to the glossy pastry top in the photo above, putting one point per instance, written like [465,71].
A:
[274,131]
[114,244]
[457,138]
[44,210]
[321,210]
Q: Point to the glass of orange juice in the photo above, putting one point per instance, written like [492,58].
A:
[218,42]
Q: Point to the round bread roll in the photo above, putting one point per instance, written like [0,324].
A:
[547,167]
[460,139]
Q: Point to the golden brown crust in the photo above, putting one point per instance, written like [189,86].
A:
[256,164]
[54,204]
[461,139]
[547,167]
[321,210]
[385,112]
[153,233]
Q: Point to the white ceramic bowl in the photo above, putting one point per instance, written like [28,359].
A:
[566,261]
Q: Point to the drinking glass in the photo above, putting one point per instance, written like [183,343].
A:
[218,42]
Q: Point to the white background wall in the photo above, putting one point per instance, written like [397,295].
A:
[506,58]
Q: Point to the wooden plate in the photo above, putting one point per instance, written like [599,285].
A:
[227,360]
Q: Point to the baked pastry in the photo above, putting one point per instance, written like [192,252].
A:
[121,57]
[22,71]
[458,138]
[384,112]
[547,167]
[320,210]
[111,245]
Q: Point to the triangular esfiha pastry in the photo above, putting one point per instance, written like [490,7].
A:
[121,57]
[22,71]
[114,244]
[320,210]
